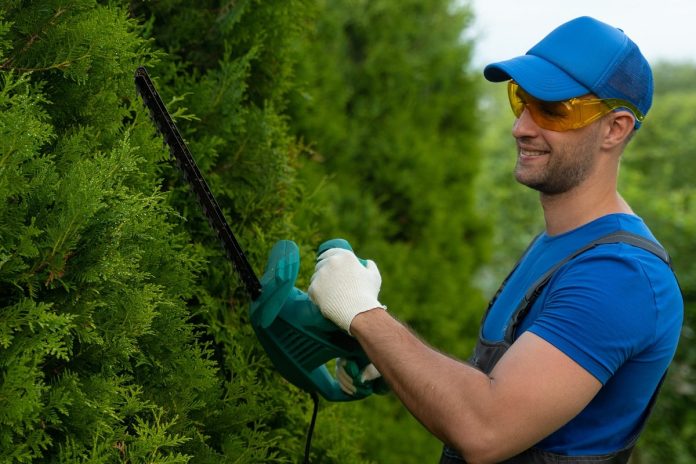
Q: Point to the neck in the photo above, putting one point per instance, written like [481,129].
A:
[585,203]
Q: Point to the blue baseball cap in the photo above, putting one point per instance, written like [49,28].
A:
[579,57]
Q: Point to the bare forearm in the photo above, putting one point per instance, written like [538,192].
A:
[429,383]
[532,391]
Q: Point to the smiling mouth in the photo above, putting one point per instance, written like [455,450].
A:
[530,153]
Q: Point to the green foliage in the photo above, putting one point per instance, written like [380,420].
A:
[93,277]
[108,334]
[123,329]
[385,108]
[234,79]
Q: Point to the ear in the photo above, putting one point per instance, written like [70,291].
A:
[619,127]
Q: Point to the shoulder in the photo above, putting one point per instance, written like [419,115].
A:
[617,248]
[605,306]
[615,267]
[615,276]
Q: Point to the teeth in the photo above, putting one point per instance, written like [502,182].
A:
[531,153]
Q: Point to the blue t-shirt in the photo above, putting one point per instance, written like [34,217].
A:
[616,310]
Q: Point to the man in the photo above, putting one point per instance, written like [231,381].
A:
[575,344]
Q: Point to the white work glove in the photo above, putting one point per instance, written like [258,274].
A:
[343,288]
[355,380]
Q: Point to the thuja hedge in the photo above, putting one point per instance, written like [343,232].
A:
[123,329]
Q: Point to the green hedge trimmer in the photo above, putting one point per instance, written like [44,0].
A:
[296,337]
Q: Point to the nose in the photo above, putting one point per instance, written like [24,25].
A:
[524,126]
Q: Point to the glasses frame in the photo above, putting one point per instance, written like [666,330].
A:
[565,115]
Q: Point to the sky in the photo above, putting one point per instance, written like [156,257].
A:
[663,29]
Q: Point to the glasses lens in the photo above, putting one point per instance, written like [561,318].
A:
[557,115]
[516,101]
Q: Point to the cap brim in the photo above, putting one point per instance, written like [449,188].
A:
[536,76]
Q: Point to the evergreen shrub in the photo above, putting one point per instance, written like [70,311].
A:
[123,329]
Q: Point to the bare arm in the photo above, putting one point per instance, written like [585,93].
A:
[533,390]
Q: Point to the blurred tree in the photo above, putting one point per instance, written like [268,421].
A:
[387,111]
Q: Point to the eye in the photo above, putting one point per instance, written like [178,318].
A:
[552,109]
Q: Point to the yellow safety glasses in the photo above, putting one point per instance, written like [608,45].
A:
[567,114]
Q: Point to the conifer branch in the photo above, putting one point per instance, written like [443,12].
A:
[62,65]
[33,38]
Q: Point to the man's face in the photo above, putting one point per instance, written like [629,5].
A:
[553,162]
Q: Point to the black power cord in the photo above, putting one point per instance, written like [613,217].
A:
[310,430]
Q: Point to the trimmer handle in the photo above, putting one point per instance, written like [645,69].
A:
[295,335]
[338,243]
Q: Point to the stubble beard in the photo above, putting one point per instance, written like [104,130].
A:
[567,167]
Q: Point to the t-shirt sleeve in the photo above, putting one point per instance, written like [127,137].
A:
[599,311]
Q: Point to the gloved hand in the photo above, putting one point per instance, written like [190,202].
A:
[359,383]
[343,288]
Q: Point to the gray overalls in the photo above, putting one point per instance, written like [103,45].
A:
[487,353]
